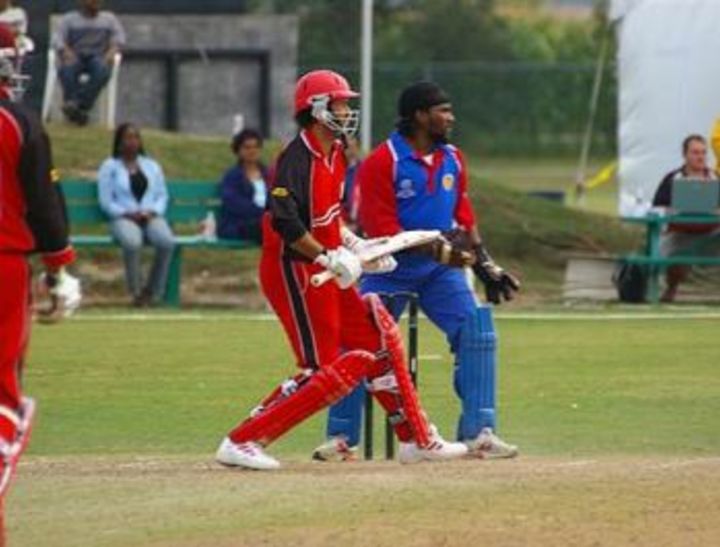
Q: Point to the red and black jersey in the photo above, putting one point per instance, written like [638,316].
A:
[306,194]
[32,209]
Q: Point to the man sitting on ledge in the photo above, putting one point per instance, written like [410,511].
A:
[86,42]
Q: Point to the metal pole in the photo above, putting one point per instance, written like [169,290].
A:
[594,99]
[413,339]
[366,76]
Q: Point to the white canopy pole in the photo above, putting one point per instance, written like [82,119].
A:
[366,76]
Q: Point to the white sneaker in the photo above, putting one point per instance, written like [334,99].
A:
[335,449]
[249,454]
[489,446]
[12,449]
[439,449]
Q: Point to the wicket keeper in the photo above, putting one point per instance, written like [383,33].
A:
[417,180]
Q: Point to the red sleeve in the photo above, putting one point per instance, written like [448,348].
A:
[46,214]
[59,259]
[378,208]
[464,214]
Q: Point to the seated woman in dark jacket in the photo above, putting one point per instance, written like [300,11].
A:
[243,190]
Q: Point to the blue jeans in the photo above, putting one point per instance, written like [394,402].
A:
[131,236]
[84,94]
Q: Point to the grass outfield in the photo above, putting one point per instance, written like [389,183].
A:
[616,418]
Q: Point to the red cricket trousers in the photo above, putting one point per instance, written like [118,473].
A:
[332,332]
[14,332]
[320,322]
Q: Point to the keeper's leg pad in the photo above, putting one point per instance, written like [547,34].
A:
[390,380]
[316,390]
[475,373]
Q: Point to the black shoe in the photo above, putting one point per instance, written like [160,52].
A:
[71,112]
[143,300]
[82,117]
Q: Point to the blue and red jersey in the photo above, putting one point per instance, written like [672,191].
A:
[402,190]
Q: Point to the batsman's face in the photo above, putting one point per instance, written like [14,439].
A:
[696,156]
[341,110]
[440,121]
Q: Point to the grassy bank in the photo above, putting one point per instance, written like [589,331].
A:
[531,236]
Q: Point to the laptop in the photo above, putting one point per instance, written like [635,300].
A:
[694,196]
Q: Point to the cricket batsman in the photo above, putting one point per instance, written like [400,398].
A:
[417,180]
[32,219]
[338,337]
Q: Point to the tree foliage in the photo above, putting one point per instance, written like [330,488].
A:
[519,83]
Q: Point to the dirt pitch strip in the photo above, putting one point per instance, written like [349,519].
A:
[186,502]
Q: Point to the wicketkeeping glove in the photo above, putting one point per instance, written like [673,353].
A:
[498,283]
[343,263]
[452,249]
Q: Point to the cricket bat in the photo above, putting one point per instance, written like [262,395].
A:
[387,246]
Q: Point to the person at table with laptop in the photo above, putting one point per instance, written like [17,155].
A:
[691,189]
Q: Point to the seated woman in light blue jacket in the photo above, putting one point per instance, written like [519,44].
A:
[132,192]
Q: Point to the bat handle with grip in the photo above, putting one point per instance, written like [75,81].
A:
[321,278]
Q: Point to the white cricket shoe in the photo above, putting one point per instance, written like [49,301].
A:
[439,449]
[489,446]
[249,454]
[11,450]
[335,449]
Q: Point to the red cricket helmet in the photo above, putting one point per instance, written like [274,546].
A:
[321,84]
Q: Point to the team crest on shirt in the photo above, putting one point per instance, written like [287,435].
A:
[448,182]
[406,189]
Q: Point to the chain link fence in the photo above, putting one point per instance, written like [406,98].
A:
[518,108]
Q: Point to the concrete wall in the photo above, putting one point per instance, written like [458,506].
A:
[210,91]
[40,11]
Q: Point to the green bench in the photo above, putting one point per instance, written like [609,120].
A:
[651,256]
[190,202]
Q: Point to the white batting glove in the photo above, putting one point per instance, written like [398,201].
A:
[358,245]
[343,263]
[68,289]
[351,240]
[64,292]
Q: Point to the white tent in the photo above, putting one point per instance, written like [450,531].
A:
[669,73]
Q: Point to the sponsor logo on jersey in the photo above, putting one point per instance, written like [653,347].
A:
[280,192]
[406,189]
[448,182]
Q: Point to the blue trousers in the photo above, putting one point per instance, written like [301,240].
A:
[84,94]
[443,295]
